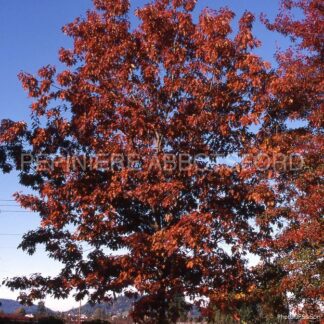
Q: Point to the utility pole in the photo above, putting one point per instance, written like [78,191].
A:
[80,312]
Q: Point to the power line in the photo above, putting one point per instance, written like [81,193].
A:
[7,200]
[15,247]
[10,234]
[15,211]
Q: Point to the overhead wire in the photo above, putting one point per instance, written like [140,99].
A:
[15,211]
[9,205]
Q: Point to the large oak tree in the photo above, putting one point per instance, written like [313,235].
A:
[158,229]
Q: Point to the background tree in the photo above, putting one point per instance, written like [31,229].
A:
[293,127]
[99,314]
[20,311]
[41,309]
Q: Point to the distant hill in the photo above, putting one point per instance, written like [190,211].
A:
[9,306]
[121,305]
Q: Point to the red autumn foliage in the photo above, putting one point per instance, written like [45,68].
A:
[173,86]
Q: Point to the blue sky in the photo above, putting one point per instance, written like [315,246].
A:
[30,36]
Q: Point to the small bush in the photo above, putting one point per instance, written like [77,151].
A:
[50,320]
[96,322]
